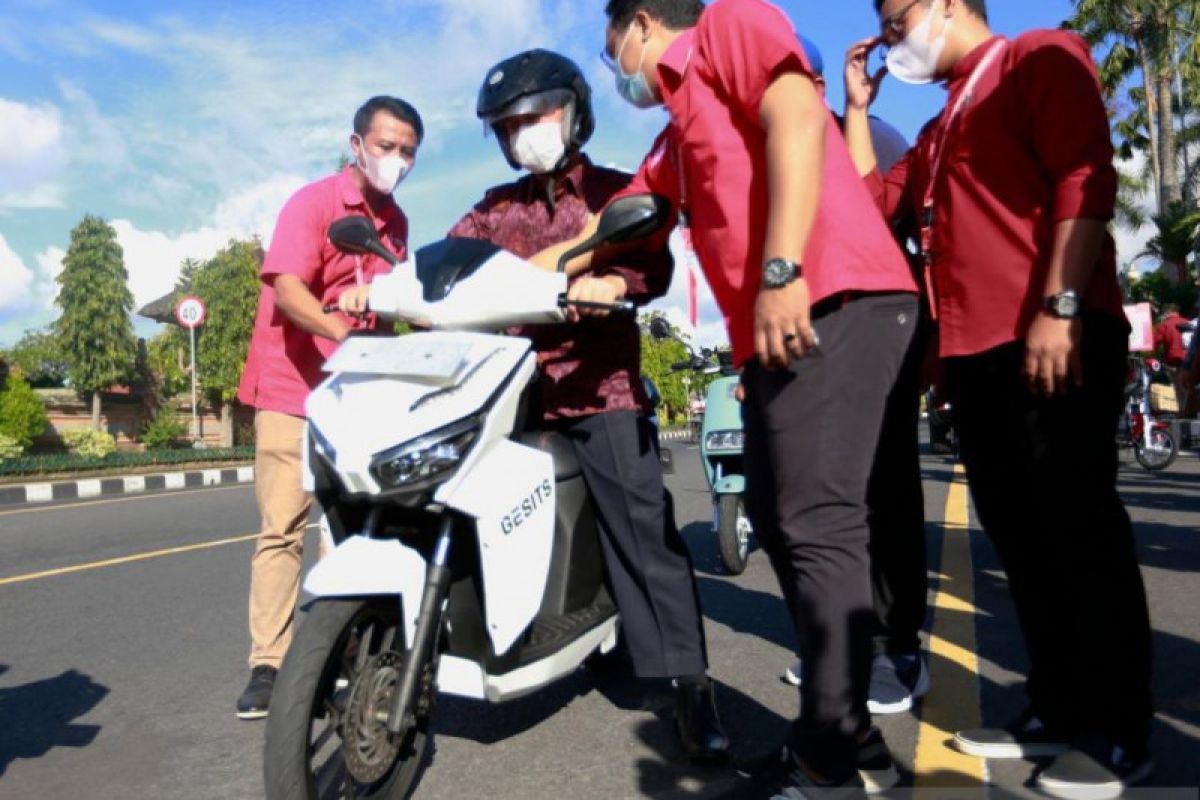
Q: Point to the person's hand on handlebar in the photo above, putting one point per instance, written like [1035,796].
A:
[354,300]
[589,289]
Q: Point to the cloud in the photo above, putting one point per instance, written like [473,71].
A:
[15,278]
[153,258]
[49,267]
[31,154]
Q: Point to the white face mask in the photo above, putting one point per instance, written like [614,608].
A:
[538,147]
[915,59]
[384,173]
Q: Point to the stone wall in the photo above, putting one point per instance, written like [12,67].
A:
[124,416]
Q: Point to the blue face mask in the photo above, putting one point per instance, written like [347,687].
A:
[633,86]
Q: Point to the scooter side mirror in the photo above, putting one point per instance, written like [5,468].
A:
[660,329]
[357,235]
[624,220]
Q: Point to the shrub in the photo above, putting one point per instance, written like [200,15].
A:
[164,431]
[22,415]
[89,442]
[9,447]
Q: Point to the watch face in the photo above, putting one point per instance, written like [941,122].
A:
[777,273]
[1065,305]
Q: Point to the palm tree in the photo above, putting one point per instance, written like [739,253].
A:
[1158,39]
[1178,232]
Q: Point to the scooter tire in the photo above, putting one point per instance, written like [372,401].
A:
[1159,461]
[735,549]
[304,682]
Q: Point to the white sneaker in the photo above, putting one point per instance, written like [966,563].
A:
[896,680]
[792,673]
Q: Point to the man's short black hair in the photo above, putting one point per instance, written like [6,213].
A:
[400,109]
[978,7]
[675,14]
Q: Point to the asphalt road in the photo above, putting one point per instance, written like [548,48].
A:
[117,680]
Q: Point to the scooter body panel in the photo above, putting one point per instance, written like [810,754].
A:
[722,413]
[729,484]
[361,567]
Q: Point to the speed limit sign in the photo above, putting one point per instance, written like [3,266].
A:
[190,312]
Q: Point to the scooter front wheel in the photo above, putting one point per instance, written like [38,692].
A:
[733,533]
[327,731]
[1160,453]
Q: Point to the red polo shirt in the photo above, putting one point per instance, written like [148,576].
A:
[1031,149]
[1169,339]
[713,78]
[284,363]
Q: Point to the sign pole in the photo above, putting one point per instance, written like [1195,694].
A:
[190,313]
[195,421]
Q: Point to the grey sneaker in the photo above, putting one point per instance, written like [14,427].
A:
[896,681]
[1028,737]
[1075,775]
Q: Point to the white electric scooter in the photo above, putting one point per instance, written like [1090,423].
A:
[466,559]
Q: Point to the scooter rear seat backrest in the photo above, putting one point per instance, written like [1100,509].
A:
[566,465]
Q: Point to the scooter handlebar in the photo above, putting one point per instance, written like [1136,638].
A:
[619,307]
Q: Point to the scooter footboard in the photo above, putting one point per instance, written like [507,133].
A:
[360,566]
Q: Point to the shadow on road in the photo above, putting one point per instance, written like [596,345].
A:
[38,717]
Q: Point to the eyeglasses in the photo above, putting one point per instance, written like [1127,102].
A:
[893,25]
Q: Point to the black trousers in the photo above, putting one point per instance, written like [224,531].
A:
[896,513]
[648,565]
[1043,475]
[811,436]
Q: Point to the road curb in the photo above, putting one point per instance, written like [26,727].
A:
[85,488]
[674,436]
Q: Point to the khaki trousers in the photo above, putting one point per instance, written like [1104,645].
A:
[284,506]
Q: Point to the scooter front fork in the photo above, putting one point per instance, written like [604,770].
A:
[429,622]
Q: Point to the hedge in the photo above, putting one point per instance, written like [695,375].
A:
[65,462]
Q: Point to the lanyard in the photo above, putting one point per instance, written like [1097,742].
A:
[935,164]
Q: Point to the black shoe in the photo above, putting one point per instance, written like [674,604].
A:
[257,696]
[696,721]
[1076,775]
[1025,738]
[782,777]
[877,771]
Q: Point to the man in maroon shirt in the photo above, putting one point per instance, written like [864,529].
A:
[1014,186]
[1170,344]
[539,107]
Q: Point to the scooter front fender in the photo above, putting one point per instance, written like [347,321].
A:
[361,567]
[730,484]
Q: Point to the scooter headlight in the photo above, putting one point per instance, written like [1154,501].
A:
[426,461]
[724,440]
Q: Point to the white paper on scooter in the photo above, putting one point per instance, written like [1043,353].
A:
[419,358]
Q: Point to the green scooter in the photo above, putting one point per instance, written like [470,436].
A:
[721,446]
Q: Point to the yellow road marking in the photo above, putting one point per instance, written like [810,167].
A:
[112,562]
[150,494]
[953,702]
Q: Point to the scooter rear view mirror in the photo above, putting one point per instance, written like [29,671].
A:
[626,219]
[660,329]
[357,235]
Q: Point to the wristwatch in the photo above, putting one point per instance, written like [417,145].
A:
[779,272]
[1064,305]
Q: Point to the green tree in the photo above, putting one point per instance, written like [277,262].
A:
[1178,235]
[94,330]
[22,415]
[228,283]
[38,355]
[167,357]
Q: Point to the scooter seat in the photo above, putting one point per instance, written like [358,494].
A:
[566,465]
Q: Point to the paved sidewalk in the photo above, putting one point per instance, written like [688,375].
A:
[50,491]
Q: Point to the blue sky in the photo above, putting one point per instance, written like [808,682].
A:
[186,123]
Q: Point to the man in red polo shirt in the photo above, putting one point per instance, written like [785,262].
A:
[292,338]
[819,305]
[1014,184]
